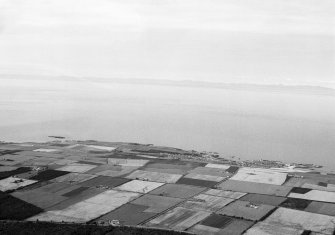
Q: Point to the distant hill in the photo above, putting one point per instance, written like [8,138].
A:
[279,88]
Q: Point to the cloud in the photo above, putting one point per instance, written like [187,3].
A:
[269,16]
[171,38]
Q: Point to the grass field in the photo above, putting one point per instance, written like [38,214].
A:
[90,208]
[245,210]
[321,208]
[205,202]
[224,193]
[263,199]
[257,188]
[178,219]
[264,228]
[74,178]
[210,171]
[219,224]
[39,198]
[129,214]
[105,181]
[156,204]
[177,190]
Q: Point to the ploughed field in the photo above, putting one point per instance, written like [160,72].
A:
[103,183]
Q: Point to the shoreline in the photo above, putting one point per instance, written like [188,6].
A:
[183,155]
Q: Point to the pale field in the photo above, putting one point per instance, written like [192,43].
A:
[204,177]
[315,195]
[154,176]
[54,217]
[224,193]
[262,228]
[329,187]
[46,150]
[127,162]
[209,171]
[176,219]
[64,162]
[146,156]
[40,161]
[208,203]
[8,168]
[234,227]
[12,183]
[90,208]
[156,204]
[76,167]
[115,172]
[220,166]
[240,209]
[105,148]
[288,169]
[204,230]
[302,220]
[260,176]
[139,186]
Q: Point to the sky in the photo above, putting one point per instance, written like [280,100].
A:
[253,41]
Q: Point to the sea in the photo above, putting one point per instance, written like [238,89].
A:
[243,123]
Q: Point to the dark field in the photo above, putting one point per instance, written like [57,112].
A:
[75,192]
[321,208]
[49,175]
[20,170]
[6,151]
[217,221]
[196,182]
[300,190]
[296,203]
[80,196]
[129,214]
[105,181]
[177,190]
[232,169]
[38,197]
[263,199]
[12,208]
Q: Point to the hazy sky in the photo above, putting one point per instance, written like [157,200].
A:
[271,41]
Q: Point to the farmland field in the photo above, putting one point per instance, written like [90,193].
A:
[108,185]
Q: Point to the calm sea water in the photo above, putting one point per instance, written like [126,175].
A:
[247,124]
